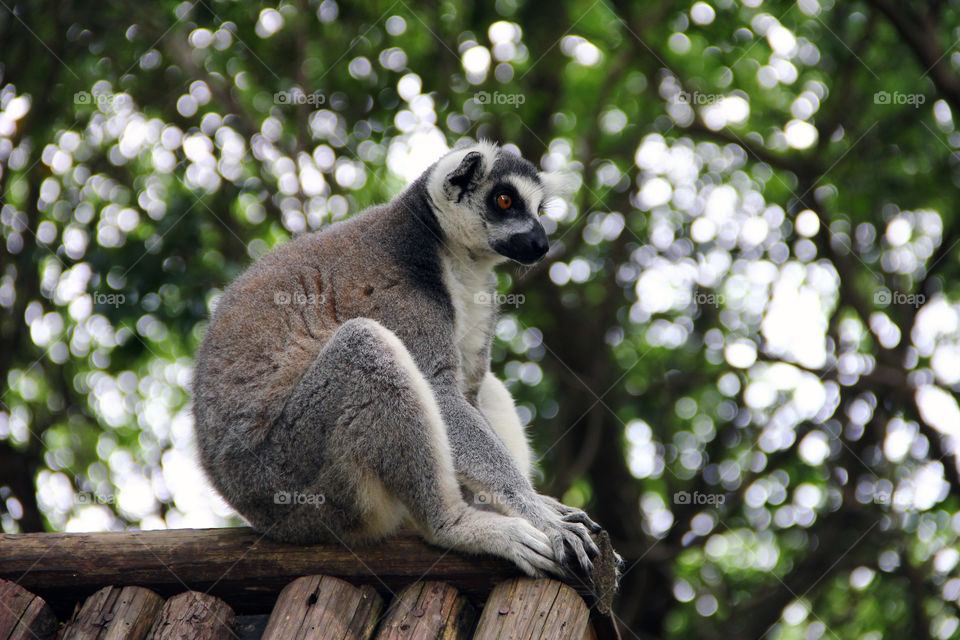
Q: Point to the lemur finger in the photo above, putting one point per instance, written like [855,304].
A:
[592,549]
[531,549]
[540,548]
[528,568]
[584,565]
[571,514]
[582,518]
[535,539]
[559,548]
[545,564]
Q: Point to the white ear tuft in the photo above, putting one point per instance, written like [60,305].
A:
[490,150]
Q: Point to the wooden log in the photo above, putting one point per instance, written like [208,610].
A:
[23,615]
[428,611]
[117,613]
[324,607]
[194,616]
[528,609]
[237,565]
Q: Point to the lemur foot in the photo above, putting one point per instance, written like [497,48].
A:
[527,547]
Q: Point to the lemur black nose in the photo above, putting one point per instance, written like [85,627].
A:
[525,248]
[540,245]
[534,245]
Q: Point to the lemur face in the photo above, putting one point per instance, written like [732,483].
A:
[512,215]
[490,201]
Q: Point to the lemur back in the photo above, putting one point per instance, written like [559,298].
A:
[270,323]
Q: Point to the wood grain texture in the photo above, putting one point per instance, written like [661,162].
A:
[428,611]
[114,613]
[324,607]
[24,615]
[237,565]
[528,609]
[590,633]
[194,616]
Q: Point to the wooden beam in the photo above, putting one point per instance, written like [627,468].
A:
[23,615]
[527,609]
[114,612]
[428,611]
[324,607]
[194,616]
[238,565]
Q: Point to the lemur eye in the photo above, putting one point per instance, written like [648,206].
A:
[504,201]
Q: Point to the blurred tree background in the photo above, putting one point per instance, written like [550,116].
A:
[741,355]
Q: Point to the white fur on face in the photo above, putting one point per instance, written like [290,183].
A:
[530,192]
[515,225]
[461,221]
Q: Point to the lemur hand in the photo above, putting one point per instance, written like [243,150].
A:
[569,532]
[571,514]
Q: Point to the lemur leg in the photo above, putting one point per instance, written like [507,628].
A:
[370,438]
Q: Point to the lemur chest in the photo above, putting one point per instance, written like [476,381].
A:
[474,313]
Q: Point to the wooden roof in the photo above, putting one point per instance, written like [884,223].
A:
[236,584]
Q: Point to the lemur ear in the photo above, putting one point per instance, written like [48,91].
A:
[465,178]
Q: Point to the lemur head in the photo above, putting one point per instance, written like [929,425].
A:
[488,202]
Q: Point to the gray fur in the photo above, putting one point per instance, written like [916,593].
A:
[338,386]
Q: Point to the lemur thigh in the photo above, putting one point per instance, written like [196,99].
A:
[497,405]
[384,438]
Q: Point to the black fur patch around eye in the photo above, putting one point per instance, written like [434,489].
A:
[493,211]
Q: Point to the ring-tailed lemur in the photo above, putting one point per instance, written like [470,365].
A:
[343,384]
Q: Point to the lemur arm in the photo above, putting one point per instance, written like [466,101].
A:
[485,465]
[496,404]
[481,459]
